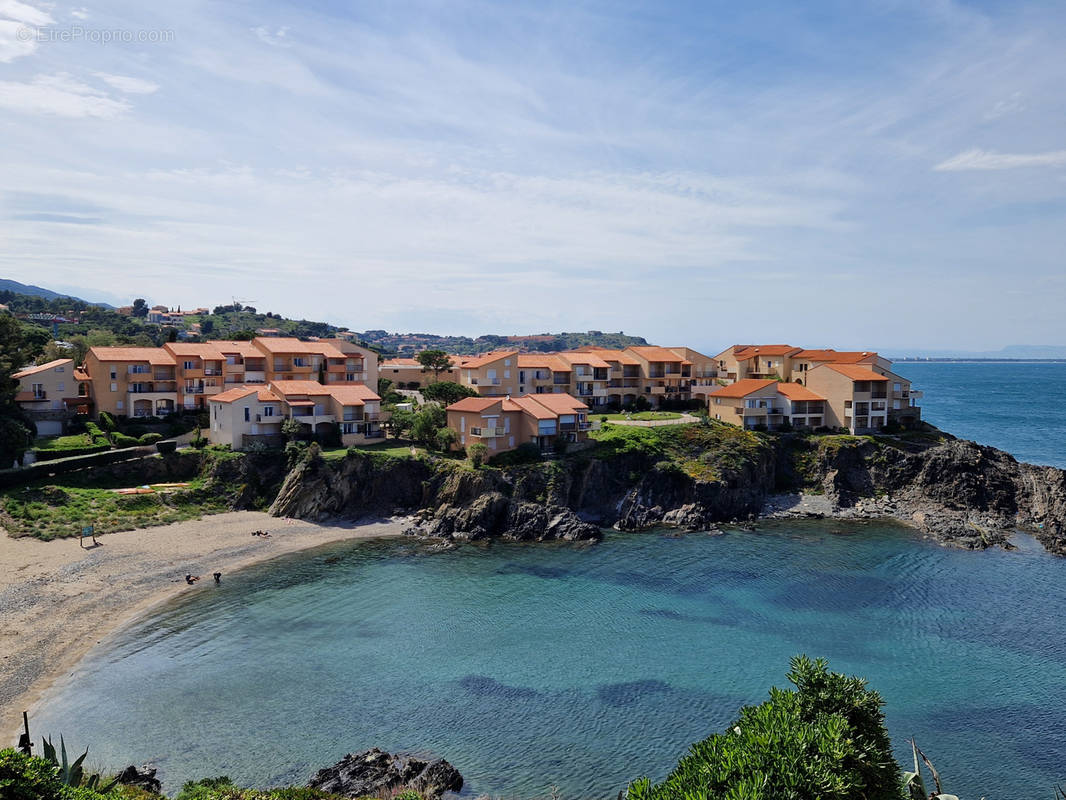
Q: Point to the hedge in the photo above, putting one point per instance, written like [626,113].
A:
[51,455]
[122,440]
[149,438]
[42,469]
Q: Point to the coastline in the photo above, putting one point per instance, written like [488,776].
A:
[58,601]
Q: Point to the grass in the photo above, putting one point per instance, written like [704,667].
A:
[51,511]
[642,416]
[397,448]
[73,442]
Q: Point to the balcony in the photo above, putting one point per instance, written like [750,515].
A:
[599,391]
[255,377]
[313,419]
[487,433]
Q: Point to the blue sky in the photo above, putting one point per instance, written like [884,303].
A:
[888,174]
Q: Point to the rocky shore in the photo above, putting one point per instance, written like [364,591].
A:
[957,492]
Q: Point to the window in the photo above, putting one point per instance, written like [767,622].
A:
[62,386]
[247,414]
[38,389]
[119,405]
[114,375]
[897,387]
[114,386]
[60,369]
[268,411]
[348,427]
[189,364]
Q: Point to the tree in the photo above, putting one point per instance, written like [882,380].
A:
[447,439]
[291,429]
[401,422]
[172,334]
[447,392]
[53,352]
[140,308]
[207,325]
[16,431]
[426,424]
[477,453]
[436,360]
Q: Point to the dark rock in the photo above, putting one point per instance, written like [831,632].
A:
[143,778]
[376,773]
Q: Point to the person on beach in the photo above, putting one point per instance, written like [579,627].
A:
[191,579]
[218,577]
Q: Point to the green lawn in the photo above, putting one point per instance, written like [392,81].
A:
[398,448]
[50,511]
[73,442]
[641,416]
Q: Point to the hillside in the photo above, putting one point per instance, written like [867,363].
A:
[8,285]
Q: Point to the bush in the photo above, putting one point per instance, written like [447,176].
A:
[149,438]
[641,403]
[24,777]
[477,452]
[446,439]
[50,455]
[107,422]
[121,440]
[825,740]
[447,392]
[96,434]
[525,453]
[166,447]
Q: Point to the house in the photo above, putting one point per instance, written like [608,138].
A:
[755,361]
[49,394]
[246,415]
[504,423]
[289,359]
[199,370]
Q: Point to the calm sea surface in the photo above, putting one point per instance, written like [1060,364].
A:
[582,667]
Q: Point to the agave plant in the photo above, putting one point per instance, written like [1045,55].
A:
[915,785]
[72,773]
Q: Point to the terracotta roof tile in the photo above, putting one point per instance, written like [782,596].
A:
[59,362]
[796,391]
[153,355]
[742,388]
[855,373]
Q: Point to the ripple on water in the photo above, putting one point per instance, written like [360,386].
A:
[532,666]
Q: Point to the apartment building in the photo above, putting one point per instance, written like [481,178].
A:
[245,415]
[752,402]
[492,374]
[504,423]
[132,381]
[624,382]
[857,398]
[156,381]
[48,394]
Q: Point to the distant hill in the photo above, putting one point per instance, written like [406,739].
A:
[39,291]
[406,343]
[1014,352]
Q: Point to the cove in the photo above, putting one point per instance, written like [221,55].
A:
[581,667]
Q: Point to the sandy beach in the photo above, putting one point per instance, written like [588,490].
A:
[57,600]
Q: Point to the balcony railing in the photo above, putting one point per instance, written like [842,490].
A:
[487,432]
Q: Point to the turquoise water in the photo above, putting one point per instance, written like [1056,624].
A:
[1016,407]
[584,666]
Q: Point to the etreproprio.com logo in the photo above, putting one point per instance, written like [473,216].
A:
[78,33]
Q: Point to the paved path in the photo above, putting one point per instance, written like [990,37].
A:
[684,419]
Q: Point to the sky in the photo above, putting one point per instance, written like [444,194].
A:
[883,174]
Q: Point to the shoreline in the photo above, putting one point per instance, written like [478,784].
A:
[58,601]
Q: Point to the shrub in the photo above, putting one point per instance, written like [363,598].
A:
[641,403]
[121,440]
[446,439]
[825,740]
[477,452]
[525,453]
[24,777]
[447,392]
[149,438]
[107,422]
[96,434]
[166,447]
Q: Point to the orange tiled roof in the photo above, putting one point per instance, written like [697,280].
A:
[203,350]
[742,388]
[474,404]
[246,349]
[579,357]
[486,358]
[42,367]
[855,373]
[80,374]
[352,395]
[528,405]
[797,391]
[299,388]
[652,353]
[606,354]
[558,403]
[742,352]
[153,355]
[231,395]
[285,344]
[835,356]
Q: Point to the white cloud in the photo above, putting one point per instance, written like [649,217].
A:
[127,84]
[16,40]
[276,38]
[986,159]
[60,95]
[21,12]
[80,13]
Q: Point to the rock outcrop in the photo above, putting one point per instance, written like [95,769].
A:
[958,492]
[375,773]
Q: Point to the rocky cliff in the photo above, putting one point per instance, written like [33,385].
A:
[694,477]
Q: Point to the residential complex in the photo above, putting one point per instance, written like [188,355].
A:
[48,394]
[504,423]
[782,386]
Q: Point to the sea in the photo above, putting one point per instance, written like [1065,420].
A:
[563,670]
